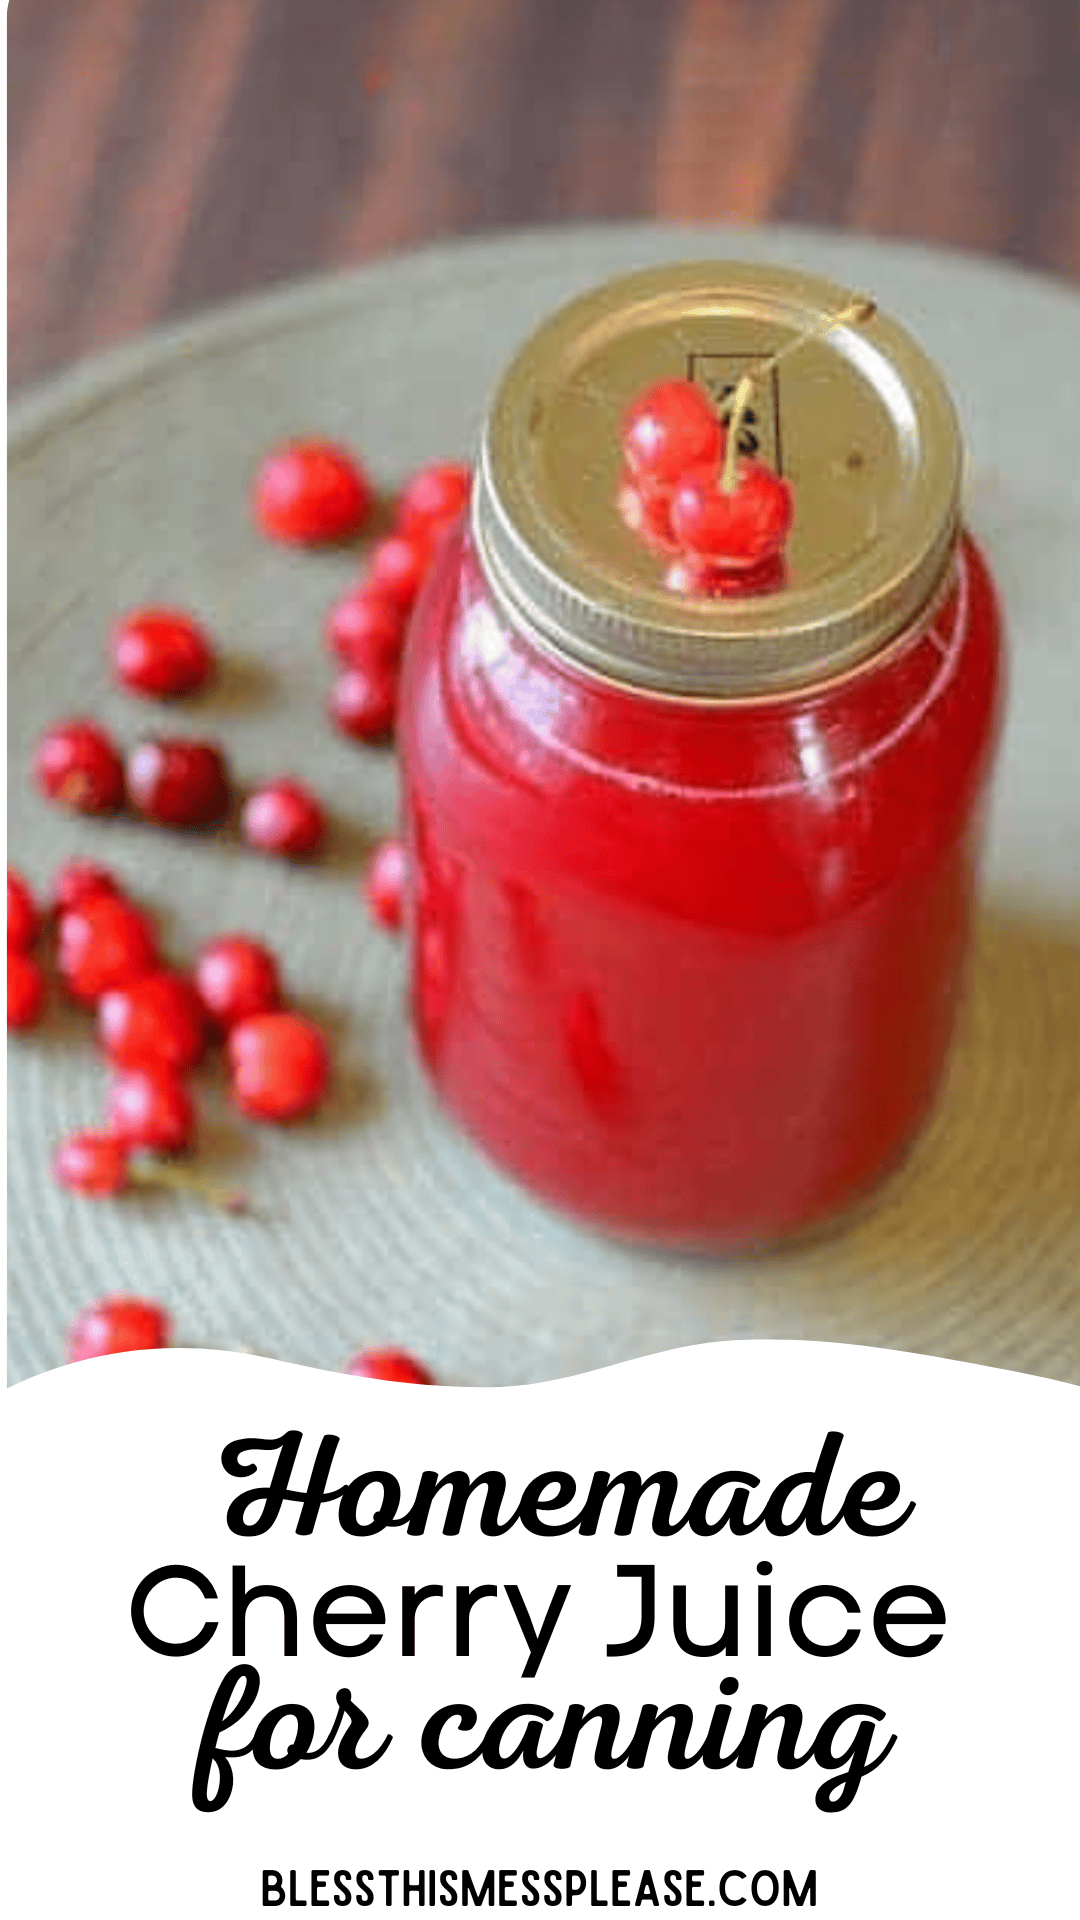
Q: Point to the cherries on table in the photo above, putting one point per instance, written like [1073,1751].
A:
[118,1325]
[363,703]
[366,629]
[434,496]
[283,817]
[236,977]
[178,782]
[310,491]
[399,565]
[78,880]
[77,765]
[150,1107]
[25,991]
[159,652]
[25,979]
[104,942]
[280,1065]
[23,918]
[389,1363]
[94,1163]
[153,1022]
[384,885]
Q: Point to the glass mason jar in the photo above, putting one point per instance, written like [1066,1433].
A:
[691,878]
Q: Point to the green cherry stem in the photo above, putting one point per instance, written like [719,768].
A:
[144,1170]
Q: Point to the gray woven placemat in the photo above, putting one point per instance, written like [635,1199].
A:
[376,1222]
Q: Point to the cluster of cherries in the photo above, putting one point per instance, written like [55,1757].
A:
[721,515]
[311,493]
[153,1025]
[153,1022]
[122,1324]
[161,653]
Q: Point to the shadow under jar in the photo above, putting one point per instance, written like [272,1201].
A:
[692,877]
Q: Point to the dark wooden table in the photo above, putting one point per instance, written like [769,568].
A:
[166,154]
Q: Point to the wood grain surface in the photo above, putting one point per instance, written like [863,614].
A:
[166,154]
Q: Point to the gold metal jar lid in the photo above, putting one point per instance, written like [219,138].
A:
[857,419]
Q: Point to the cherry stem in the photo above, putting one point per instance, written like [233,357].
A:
[859,310]
[146,1171]
[729,479]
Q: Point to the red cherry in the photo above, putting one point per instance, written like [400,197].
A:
[104,943]
[389,1363]
[101,1165]
[117,1326]
[648,514]
[76,764]
[310,491]
[689,573]
[384,884]
[178,783]
[283,817]
[363,704]
[741,528]
[149,1107]
[399,566]
[160,652]
[366,630]
[669,427]
[280,1065]
[79,880]
[433,496]
[95,1164]
[155,1021]
[235,978]
[25,991]
[23,918]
